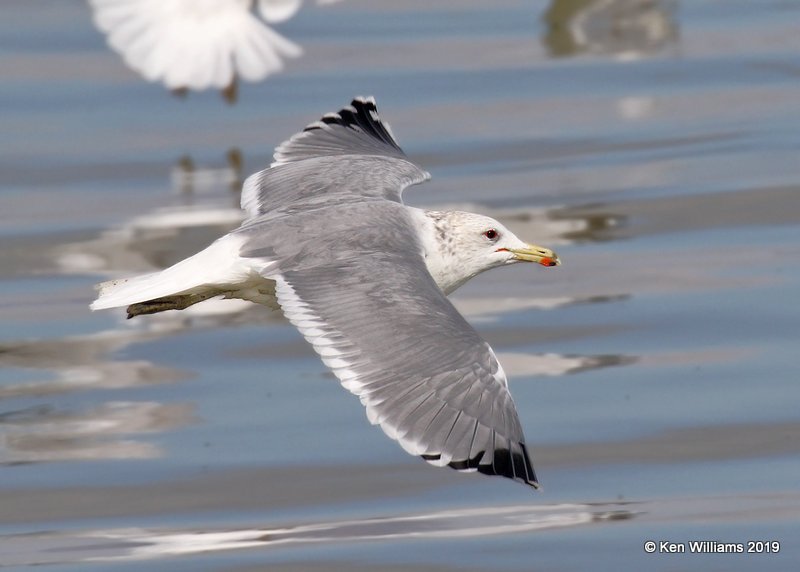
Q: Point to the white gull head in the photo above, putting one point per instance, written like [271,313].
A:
[459,245]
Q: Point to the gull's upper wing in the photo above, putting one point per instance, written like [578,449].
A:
[375,315]
[348,155]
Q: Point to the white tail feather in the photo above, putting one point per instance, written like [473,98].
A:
[209,270]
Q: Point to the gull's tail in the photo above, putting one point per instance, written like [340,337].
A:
[217,270]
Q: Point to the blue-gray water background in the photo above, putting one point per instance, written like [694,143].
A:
[656,372]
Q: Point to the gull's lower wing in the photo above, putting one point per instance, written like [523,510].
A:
[390,335]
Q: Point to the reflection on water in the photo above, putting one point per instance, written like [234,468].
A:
[140,544]
[48,434]
[473,523]
[625,28]
[82,363]
[189,179]
[477,525]
[643,216]
[482,309]
[552,364]
[198,44]
[160,238]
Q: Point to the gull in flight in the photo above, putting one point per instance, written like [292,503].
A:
[365,278]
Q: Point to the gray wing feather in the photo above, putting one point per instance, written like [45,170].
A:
[391,336]
[348,155]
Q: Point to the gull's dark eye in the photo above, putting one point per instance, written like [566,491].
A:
[491,234]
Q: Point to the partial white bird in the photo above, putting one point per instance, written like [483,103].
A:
[198,44]
[364,278]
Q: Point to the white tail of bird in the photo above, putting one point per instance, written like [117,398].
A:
[217,270]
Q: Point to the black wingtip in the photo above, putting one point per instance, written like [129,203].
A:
[514,465]
[366,101]
[361,114]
